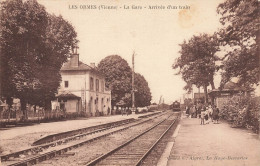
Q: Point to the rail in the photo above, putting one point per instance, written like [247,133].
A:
[110,153]
[53,153]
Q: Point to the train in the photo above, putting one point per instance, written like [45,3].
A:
[176,106]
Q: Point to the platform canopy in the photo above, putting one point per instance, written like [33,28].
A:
[229,88]
[67,95]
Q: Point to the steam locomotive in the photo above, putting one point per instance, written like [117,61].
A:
[176,106]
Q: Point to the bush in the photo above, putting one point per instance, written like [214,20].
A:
[152,108]
[118,111]
[141,110]
[144,110]
[72,115]
[83,114]
[242,111]
[129,111]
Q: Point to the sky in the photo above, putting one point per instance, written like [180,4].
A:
[153,34]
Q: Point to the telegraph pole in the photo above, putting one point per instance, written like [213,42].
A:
[133,79]
[160,102]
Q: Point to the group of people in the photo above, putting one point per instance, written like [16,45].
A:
[205,113]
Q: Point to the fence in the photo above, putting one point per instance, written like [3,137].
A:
[15,115]
[39,115]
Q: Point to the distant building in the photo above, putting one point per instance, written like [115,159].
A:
[82,89]
[199,98]
[220,96]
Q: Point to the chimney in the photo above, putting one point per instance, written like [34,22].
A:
[74,60]
[92,65]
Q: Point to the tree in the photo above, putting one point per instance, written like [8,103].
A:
[118,77]
[22,30]
[197,62]
[34,45]
[143,95]
[242,33]
[60,38]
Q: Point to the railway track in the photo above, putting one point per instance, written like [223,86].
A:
[44,152]
[135,150]
[92,129]
[64,137]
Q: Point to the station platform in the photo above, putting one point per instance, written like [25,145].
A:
[61,126]
[193,144]
[24,136]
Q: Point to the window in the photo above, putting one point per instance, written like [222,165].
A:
[66,84]
[91,83]
[97,100]
[102,86]
[97,85]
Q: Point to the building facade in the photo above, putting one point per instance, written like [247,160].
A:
[221,96]
[199,98]
[82,89]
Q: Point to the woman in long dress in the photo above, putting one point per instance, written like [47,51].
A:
[210,110]
[187,111]
[215,114]
[207,115]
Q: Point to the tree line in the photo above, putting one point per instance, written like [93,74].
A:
[34,44]
[238,41]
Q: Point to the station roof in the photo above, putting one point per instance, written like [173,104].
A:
[67,95]
[230,87]
[82,66]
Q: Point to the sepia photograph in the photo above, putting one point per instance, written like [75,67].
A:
[129,82]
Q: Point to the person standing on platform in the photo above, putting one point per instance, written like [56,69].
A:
[193,112]
[196,111]
[210,113]
[199,110]
[215,114]
[202,116]
[187,111]
[206,116]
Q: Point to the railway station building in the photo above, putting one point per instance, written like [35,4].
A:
[82,89]
[220,96]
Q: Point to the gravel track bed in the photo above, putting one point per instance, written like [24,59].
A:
[132,152]
[24,142]
[154,156]
[78,140]
[20,138]
[92,150]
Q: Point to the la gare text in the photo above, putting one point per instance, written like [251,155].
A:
[127,7]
